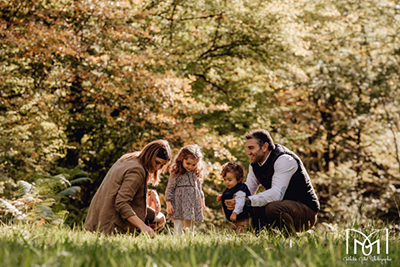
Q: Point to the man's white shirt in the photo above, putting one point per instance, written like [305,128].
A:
[284,167]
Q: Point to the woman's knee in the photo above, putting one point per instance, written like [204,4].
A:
[160,219]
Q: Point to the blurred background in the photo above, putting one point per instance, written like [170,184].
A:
[84,82]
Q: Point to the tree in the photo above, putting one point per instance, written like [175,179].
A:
[352,67]
[94,75]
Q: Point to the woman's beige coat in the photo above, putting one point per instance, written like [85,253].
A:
[122,194]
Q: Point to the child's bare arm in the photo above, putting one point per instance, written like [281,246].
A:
[170,209]
[153,201]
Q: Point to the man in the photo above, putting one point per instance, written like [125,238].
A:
[289,201]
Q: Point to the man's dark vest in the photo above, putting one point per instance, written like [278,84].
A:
[299,188]
[228,194]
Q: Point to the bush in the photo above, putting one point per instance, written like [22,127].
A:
[47,200]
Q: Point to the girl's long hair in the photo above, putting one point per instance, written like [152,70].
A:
[147,158]
[189,151]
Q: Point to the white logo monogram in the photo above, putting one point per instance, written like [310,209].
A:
[367,244]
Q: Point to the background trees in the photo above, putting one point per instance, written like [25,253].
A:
[83,82]
[352,65]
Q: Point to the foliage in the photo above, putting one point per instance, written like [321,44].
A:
[92,69]
[321,76]
[352,81]
[83,82]
[48,200]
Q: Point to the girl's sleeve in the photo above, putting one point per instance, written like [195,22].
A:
[200,188]
[170,191]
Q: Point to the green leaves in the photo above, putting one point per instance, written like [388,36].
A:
[47,200]
[69,192]
[85,82]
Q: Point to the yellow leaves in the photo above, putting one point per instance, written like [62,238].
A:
[299,73]
[214,172]
[155,118]
[218,145]
[96,60]
[352,17]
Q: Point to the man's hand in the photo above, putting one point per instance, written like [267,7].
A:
[233,216]
[219,197]
[230,203]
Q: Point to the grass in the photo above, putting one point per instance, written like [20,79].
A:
[59,246]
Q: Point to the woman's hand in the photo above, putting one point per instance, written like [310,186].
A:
[147,230]
[170,209]
[233,216]
[204,204]
[141,225]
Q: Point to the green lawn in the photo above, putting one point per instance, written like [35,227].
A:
[58,246]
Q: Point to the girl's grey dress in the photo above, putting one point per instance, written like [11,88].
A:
[185,194]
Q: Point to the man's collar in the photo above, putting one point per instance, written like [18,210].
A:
[264,160]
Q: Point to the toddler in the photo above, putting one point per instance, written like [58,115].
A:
[233,175]
[184,195]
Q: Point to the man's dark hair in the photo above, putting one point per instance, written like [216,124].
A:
[262,136]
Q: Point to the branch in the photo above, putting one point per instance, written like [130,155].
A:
[172,22]
[227,46]
[202,76]
[196,18]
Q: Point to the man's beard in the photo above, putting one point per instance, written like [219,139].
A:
[258,157]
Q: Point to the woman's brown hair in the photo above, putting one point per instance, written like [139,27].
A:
[147,157]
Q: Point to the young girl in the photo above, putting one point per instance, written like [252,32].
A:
[233,175]
[184,196]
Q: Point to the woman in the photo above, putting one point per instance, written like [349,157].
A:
[120,204]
